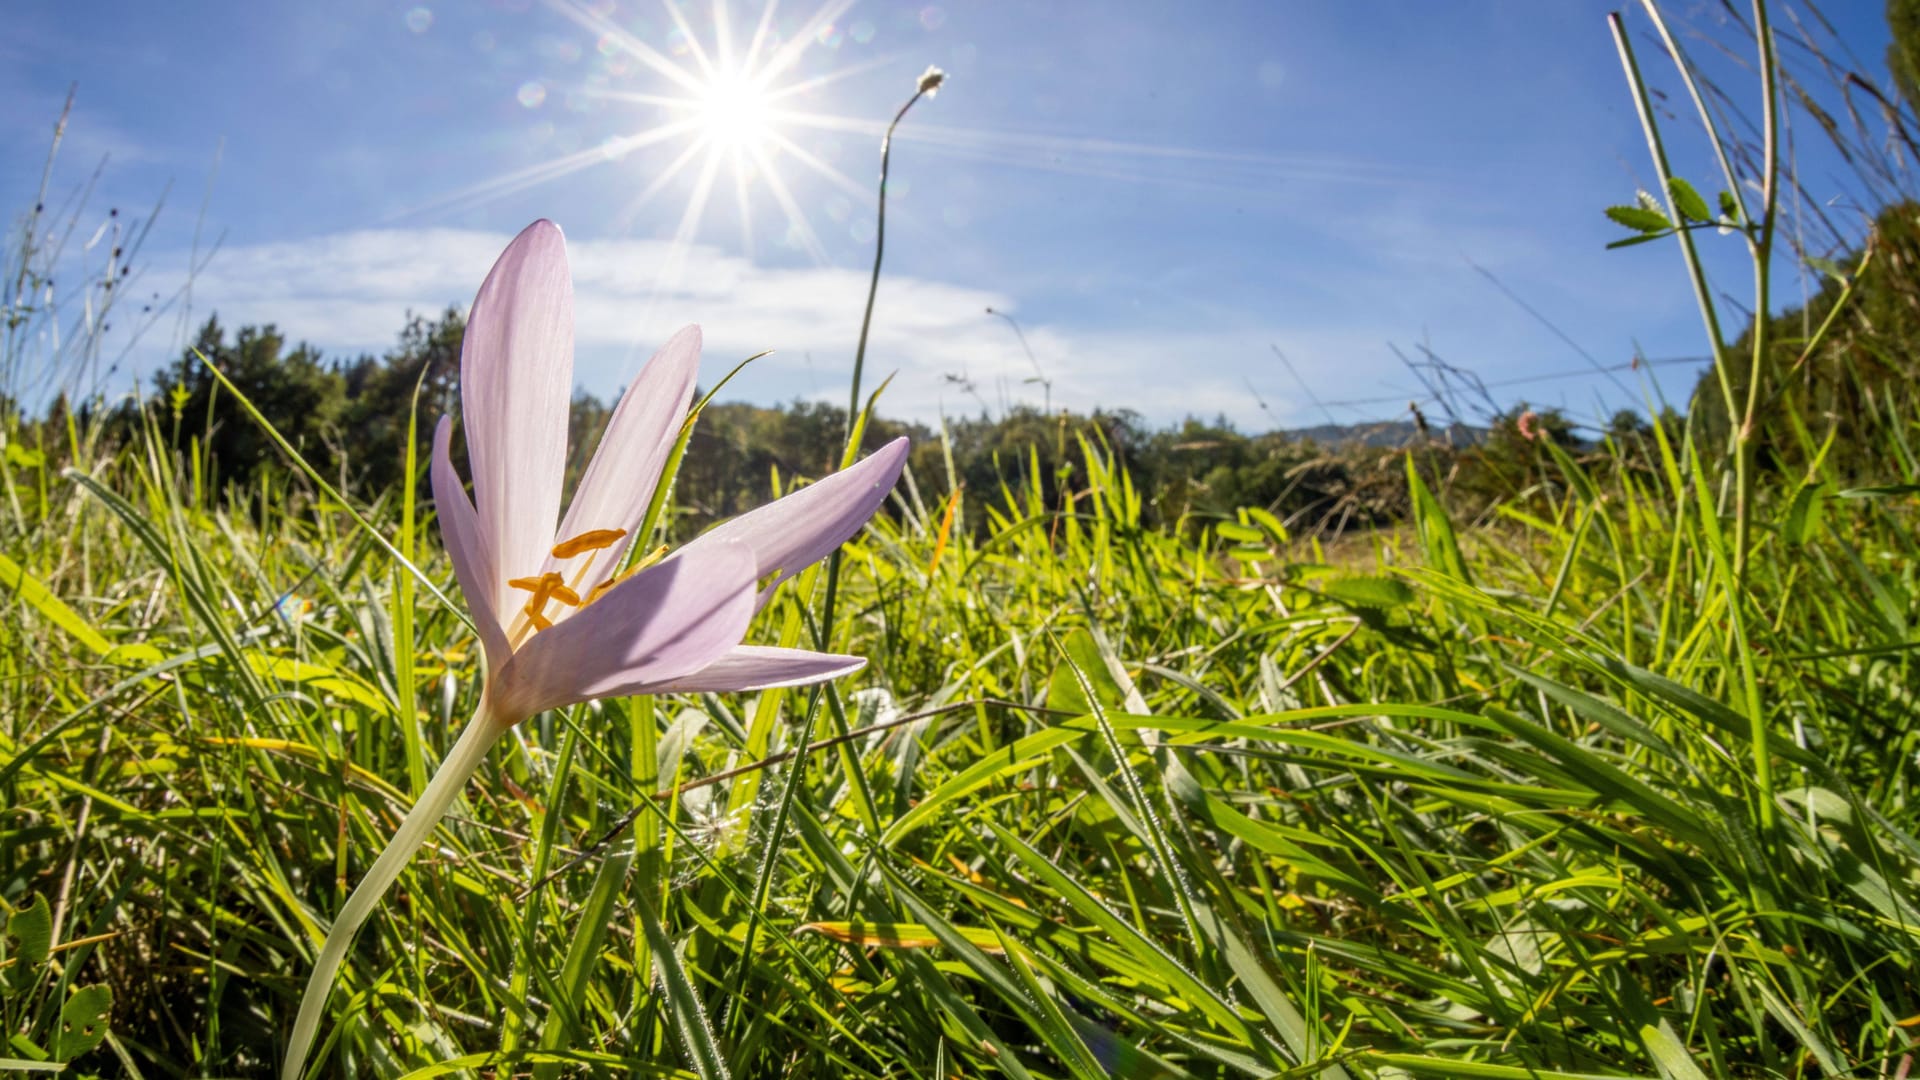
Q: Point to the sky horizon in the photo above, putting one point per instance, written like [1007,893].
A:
[1164,205]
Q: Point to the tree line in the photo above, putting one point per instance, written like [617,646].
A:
[349,419]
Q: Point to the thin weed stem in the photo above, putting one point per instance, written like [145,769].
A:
[879,255]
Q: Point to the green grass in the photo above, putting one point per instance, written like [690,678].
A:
[1475,802]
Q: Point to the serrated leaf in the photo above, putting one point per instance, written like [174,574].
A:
[1639,217]
[1688,201]
[1368,590]
[83,1022]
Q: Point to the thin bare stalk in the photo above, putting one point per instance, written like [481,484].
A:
[1696,275]
[928,83]
[1039,376]
[1680,64]
[1762,295]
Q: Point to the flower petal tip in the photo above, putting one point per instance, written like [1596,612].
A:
[543,229]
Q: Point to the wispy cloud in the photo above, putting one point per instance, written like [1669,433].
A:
[349,292]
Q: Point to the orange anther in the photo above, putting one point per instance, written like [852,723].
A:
[548,586]
[591,540]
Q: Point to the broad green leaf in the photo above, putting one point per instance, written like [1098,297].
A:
[32,927]
[1639,218]
[1238,533]
[1368,591]
[1804,514]
[1688,201]
[1276,529]
[83,1022]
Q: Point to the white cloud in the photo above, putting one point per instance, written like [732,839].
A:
[348,292]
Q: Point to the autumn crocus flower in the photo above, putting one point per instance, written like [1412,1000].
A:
[557,620]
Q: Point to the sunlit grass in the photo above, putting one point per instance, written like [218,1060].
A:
[1204,803]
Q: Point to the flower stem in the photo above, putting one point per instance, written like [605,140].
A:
[873,283]
[447,783]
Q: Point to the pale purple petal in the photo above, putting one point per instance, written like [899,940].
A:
[667,621]
[625,469]
[466,547]
[516,376]
[790,534]
[755,667]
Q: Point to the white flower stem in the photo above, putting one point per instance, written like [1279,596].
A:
[454,772]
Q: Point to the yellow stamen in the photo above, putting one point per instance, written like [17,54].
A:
[548,586]
[591,540]
[652,557]
[600,590]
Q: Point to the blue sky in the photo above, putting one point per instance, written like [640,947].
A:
[1160,194]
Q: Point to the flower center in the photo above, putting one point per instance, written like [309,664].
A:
[548,586]
[552,585]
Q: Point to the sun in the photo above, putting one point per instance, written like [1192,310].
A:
[723,109]
[734,113]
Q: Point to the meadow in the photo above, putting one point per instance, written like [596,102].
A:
[1611,775]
